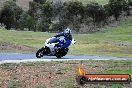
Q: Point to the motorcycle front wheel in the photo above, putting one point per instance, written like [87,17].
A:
[39,53]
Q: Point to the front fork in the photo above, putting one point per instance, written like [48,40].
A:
[46,50]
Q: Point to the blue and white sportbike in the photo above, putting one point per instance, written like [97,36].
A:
[52,47]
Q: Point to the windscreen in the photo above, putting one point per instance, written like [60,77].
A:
[53,40]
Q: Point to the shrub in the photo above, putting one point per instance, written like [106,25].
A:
[10,14]
[96,12]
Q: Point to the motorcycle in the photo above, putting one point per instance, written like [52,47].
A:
[50,48]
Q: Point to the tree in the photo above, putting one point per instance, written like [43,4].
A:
[40,1]
[116,7]
[74,8]
[17,12]
[57,8]
[130,2]
[43,26]
[46,15]
[108,10]
[33,12]
[10,14]
[127,6]
[47,10]
[26,21]
[72,14]
[96,12]
[41,11]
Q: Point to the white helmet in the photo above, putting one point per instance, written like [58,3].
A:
[67,31]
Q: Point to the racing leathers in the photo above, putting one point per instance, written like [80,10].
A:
[66,42]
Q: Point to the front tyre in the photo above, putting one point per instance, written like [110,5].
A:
[39,53]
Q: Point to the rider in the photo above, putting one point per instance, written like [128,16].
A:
[67,37]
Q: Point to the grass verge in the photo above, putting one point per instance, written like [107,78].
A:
[112,41]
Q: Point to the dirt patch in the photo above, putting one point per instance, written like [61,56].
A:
[6,46]
[55,74]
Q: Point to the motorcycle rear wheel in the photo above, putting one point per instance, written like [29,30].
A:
[58,56]
[62,53]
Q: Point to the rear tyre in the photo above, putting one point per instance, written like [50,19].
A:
[65,51]
[62,52]
[39,53]
[58,56]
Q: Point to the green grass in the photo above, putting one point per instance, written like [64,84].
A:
[34,39]
[115,41]
[119,72]
[13,84]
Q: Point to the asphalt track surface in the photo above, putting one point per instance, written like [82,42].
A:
[16,58]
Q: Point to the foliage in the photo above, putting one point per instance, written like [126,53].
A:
[46,10]
[130,2]
[96,12]
[74,8]
[33,6]
[33,12]
[116,7]
[26,21]
[43,26]
[57,8]
[40,1]
[44,15]
[58,26]
[71,14]
[10,14]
